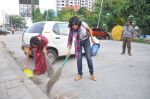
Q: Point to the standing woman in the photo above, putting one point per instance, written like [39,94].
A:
[81,32]
[39,45]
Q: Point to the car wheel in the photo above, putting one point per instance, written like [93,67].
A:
[30,56]
[52,55]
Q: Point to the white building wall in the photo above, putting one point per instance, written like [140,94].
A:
[60,4]
[90,4]
[81,3]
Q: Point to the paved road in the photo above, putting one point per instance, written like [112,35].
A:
[118,76]
[13,83]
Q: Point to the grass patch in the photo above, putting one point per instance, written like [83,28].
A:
[140,40]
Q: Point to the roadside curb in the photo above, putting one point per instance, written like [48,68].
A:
[15,84]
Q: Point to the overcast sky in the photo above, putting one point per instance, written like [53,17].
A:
[48,4]
[12,6]
[9,6]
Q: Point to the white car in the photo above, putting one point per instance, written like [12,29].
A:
[56,32]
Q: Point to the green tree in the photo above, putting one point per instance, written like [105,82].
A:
[111,14]
[86,15]
[65,14]
[114,12]
[48,15]
[91,18]
[117,11]
[140,9]
[36,15]
[17,21]
[82,11]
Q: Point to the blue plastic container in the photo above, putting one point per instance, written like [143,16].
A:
[94,49]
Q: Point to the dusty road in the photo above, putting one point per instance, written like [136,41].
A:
[118,76]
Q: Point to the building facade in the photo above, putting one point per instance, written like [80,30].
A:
[25,7]
[81,3]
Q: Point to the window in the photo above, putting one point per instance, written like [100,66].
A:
[61,29]
[36,28]
[55,29]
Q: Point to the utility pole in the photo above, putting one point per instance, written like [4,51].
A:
[100,11]
[32,8]
[47,15]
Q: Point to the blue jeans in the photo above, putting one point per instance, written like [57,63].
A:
[87,48]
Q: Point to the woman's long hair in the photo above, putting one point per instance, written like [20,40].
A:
[34,41]
[74,21]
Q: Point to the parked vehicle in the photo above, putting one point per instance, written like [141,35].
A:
[99,34]
[4,31]
[57,33]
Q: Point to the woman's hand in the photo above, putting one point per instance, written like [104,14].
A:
[90,33]
[92,40]
[121,39]
[25,67]
[45,50]
[69,52]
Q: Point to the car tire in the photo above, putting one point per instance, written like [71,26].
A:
[52,55]
[31,54]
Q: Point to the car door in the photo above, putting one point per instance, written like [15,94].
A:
[61,38]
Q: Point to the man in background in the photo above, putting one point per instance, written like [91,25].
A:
[127,37]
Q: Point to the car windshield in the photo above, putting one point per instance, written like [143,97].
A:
[36,28]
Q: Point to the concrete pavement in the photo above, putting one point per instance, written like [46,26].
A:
[13,83]
[118,76]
